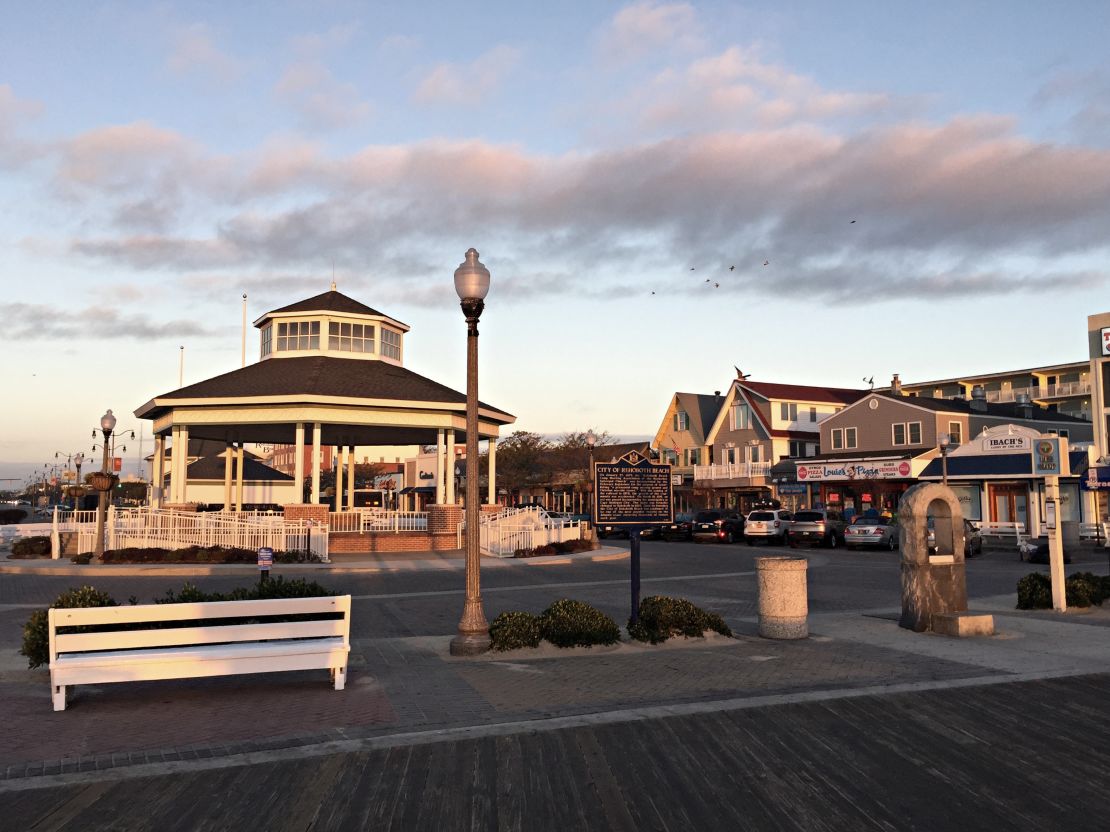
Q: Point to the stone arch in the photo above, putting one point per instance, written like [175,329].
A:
[917,505]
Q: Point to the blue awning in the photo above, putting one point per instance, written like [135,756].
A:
[1097,478]
[994,465]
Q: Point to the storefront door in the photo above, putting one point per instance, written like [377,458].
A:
[1009,503]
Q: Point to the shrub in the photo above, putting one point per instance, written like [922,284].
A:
[31,547]
[1080,590]
[277,587]
[568,623]
[12,515]
[662,617]
[513,630]
[36,632]
[82,559]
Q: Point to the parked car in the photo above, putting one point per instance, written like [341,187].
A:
[767,524]
[825,528]
[872,531]
[604,531]
[678,530]
[718,525]
[973,539]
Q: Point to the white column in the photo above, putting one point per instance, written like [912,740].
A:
[449,479]
[317,461]
[298,465]
[175,462]
[492,472]
[184,489]
[441,487]
[158,472]
[1056,548]
[229,452]
[340,454]
[351,478]
[240,460]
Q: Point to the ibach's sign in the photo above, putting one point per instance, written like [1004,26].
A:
[1006,444]
[895,469]
[632,491]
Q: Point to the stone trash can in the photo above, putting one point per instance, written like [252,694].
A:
[783,597]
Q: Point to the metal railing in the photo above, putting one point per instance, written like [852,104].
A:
[369,520]
[732,470]
[503,534]
[1042,391]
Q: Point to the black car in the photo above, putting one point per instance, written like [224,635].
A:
[678,530]
[718,525]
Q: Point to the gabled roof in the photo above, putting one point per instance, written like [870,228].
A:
[331,301]
[702,410]
[316,376]
[802,392]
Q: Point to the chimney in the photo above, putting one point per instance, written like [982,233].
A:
[979,398]
[896,386]
[717,393]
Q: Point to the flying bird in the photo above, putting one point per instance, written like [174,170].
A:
[716,285]
[766,262]
[740,373]
[732,268]
[851,222]
[707,280]
[653,293]
[691,268]
[870,381]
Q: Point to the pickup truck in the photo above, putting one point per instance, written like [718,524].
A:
[824,528]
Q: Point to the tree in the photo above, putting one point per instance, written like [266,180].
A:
[523,460]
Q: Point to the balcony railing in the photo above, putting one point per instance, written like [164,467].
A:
[732,471]
[1044,391]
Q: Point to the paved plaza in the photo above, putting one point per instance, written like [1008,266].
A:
[854,727]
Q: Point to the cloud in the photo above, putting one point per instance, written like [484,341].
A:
[322,101]
[1085,96]
[30,321]
[648,27]
[316,44]
[14,111]
[460,84]
[194,51]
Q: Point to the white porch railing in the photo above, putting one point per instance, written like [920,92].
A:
[502,534]
[377,520]
[1043,391]
[732,470]
[168,529]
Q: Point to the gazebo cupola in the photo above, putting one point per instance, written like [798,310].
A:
[331,324]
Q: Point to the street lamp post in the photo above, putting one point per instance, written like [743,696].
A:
[945,440]
[103,484]
[591,440]
[472,285]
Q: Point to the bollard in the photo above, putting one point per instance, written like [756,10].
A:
[783,597]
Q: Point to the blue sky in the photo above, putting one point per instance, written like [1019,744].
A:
[156,161]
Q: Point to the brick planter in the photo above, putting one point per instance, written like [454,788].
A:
[444,519]
[306,511]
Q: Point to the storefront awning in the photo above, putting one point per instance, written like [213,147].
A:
[981,466]
[1097,478]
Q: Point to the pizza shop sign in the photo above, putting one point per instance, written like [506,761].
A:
[897,469]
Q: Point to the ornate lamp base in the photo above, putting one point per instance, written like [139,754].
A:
[470,644]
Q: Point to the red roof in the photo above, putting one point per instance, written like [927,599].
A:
[803,393]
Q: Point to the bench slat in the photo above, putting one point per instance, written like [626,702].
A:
[206,609]
[66,643]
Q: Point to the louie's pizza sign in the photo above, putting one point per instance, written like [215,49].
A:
[896,469]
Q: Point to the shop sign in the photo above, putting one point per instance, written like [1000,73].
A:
[1097,479]
[1106,340]
[1046,458]
[1006,444]
[896,469]
[791,488]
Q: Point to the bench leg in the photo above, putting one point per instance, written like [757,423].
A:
[59,696]
[339,677]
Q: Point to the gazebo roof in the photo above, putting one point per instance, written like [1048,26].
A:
[330,301]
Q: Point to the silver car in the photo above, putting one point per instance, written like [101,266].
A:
[767,524]
[872,531]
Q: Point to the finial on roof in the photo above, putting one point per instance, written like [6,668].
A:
[333,285]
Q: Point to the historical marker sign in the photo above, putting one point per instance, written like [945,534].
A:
[632,491]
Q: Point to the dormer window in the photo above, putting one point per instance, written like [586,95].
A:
[346,337]
[298,335]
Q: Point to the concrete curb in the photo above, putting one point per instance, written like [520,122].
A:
[151,570]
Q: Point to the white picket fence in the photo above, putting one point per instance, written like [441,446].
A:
[168,529]
[502,534]
[366,520]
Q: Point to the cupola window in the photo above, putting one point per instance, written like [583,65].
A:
[298,335]
[391,343]
[346,337]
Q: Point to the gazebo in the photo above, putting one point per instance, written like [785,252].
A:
[330,372]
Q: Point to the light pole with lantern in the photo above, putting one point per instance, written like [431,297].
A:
[103,481]
[472,285]
[591,440]
[945,441]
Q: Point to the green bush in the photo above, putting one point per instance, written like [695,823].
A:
[83,559]
[513,630]
[662,617]
[568,623]
[273,588]
[1080,590]
[31,547]
[36,632]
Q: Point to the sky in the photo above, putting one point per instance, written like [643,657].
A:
[816,193]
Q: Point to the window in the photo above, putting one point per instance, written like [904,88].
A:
[797,448]
[1063,432]
[691,455]
[347,337]
[813,414]
[898,433]
[740,417]
[754,452]
[837,439]
[298,335]
[681,420]
[391,343]
[789,411]
[849,437]
[955,433]
[915,433]
[267,339]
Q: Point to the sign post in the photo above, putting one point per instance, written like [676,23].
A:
[1050,460]
[633,492]
[265,561]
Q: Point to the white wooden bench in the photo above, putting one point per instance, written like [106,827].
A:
[213,647]
[999,529]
